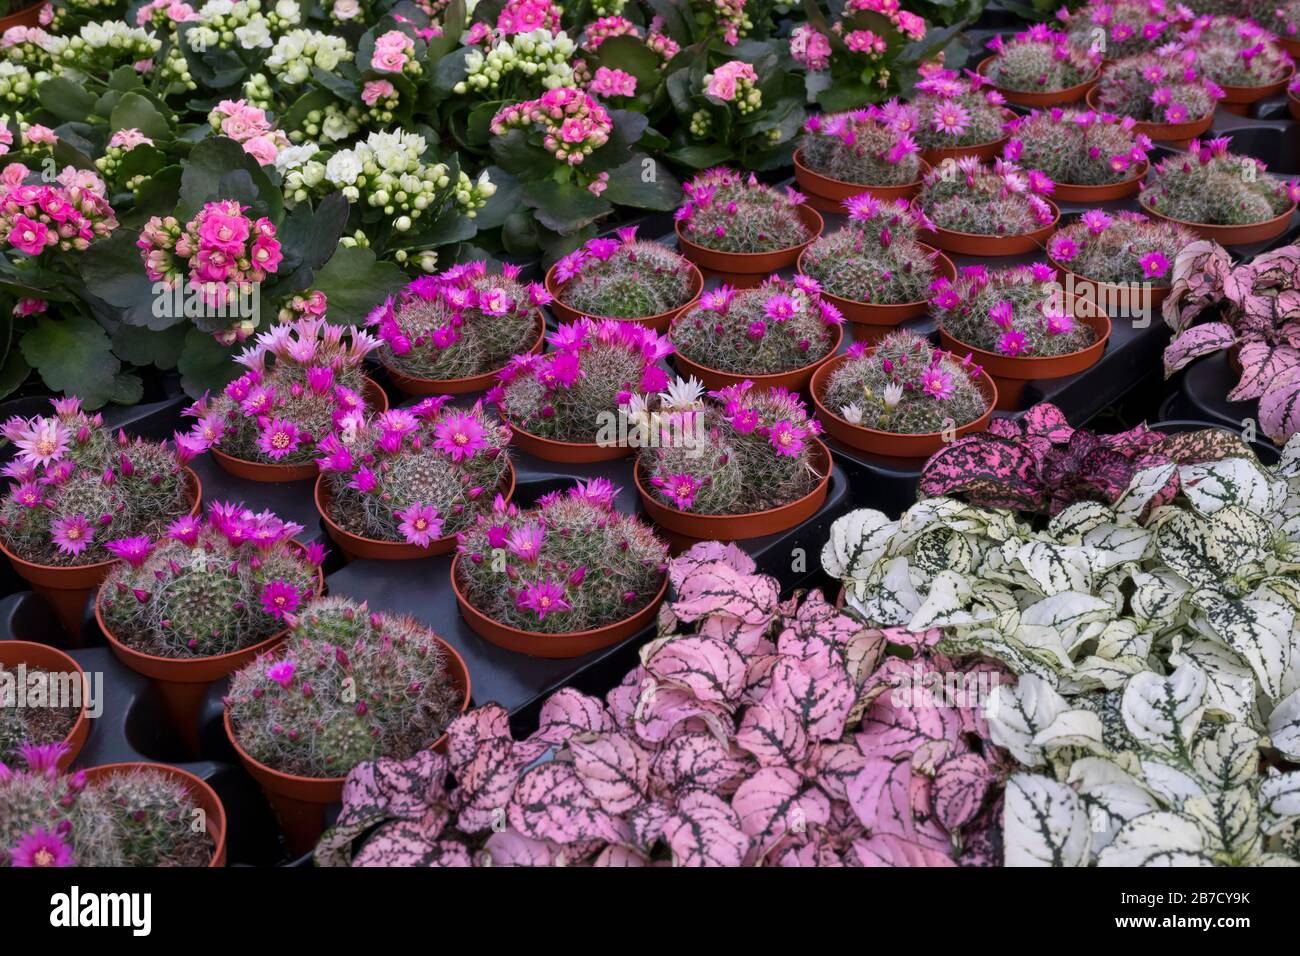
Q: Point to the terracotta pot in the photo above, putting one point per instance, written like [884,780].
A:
[1289,44]
[411,385]
[203,795]
[892,444]
[685,525]
[568,452]
[299,803]
[26,17]
[748,269]
[1233,235]
[982,151]
[1179,133]
[871,323]
[554,646]
[795,380]
[182,683]
[1011,373]
[1293,104]
[1106,193]
[1071,94]
[970,244]
[1083,294]
[376,401]
[68,589]
[354,546]
[1244,96]
[658,322]
[828,194]
[52,661]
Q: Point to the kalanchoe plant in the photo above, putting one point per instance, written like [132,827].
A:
[208,586]
[733,213]
[30,724]
[1123,248]
[1161,87]
[417,474]
[876,257]
[1121,28]
[1017,311]
[572,563]
[459,323]
[949,111]
[1039,60]
[593,370]
[777,326]
[623,278]
[135,817]
[1259,304]
[861,148]
[905,386]
[1078,147]
[1235,52]
[76,486]
[818,764]
[303,380]
[744,451]
[1002,200]
[346,686]
[1042,465]
[1209,185]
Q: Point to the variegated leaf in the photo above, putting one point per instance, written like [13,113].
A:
[1163,712]
[1284,726]
[1257,628]
[1044,823]
[1229,681]
[1205,551]
[1162,838]
[1018,714]
[1241,482]
[1111,795]
[1227,759]
[1279,800]
[857,542]
[1230,821]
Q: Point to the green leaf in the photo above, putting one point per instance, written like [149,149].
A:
[354,282]
[502,203]
[128,389]
[643,183]
[218,168]
[843,96]
[113,271]
[13,373]
[702,157]
[141,346]
[563,207]
[73,356]
[65,99]
[520,233]
[516,155]
[308,237]
[205,365]
[159,194]
[134,111]
[630,54]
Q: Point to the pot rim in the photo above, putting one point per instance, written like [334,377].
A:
[536,347]
[196,785]
[697,290]
[820,226]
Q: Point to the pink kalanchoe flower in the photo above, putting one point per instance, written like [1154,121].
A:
[134,551]
[544,598]
[282,673]
[279,438]
[1154,265]
[459,435]
[278,599]
[1012,343]
[72,534]
[41,848]
[787,438]
[420,524]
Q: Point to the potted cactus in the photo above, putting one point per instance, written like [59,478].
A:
[119,815]
[743,463]
[204,598]
[625,278]
[1121,28]
[450,333]
[1220,195]
[1161,91]
[1241,57]
[77,486]
[1015,323]
[874,270]
[903,398]
[978,210]
[736,227]
[1089,156]
[846,154]
[1282,19]
[1293,98]
[59,714]
[303,380]
[1040,67]
[775,334]
[565,405]
[346,685]
[565,578]
[1121,260]
[952,117]
[412,479]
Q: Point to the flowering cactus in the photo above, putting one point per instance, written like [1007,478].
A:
[948,111]
[1018,311]
[778,326]
[458,323]
[906,386]
[747,451]
[347,685]
[861,148]
[732,213]
[76,486]
[1003,200]
[1077,147]
[876,256]
[208,587]
[1235,52]
[572,563]
[1208,184]
[135,817]
[416,475]
[1161,87]
[30,724]
[624,278]
[302,381]
[593,370]
[1282,19]
[1040,60]
[1125,247]
[1121,28]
